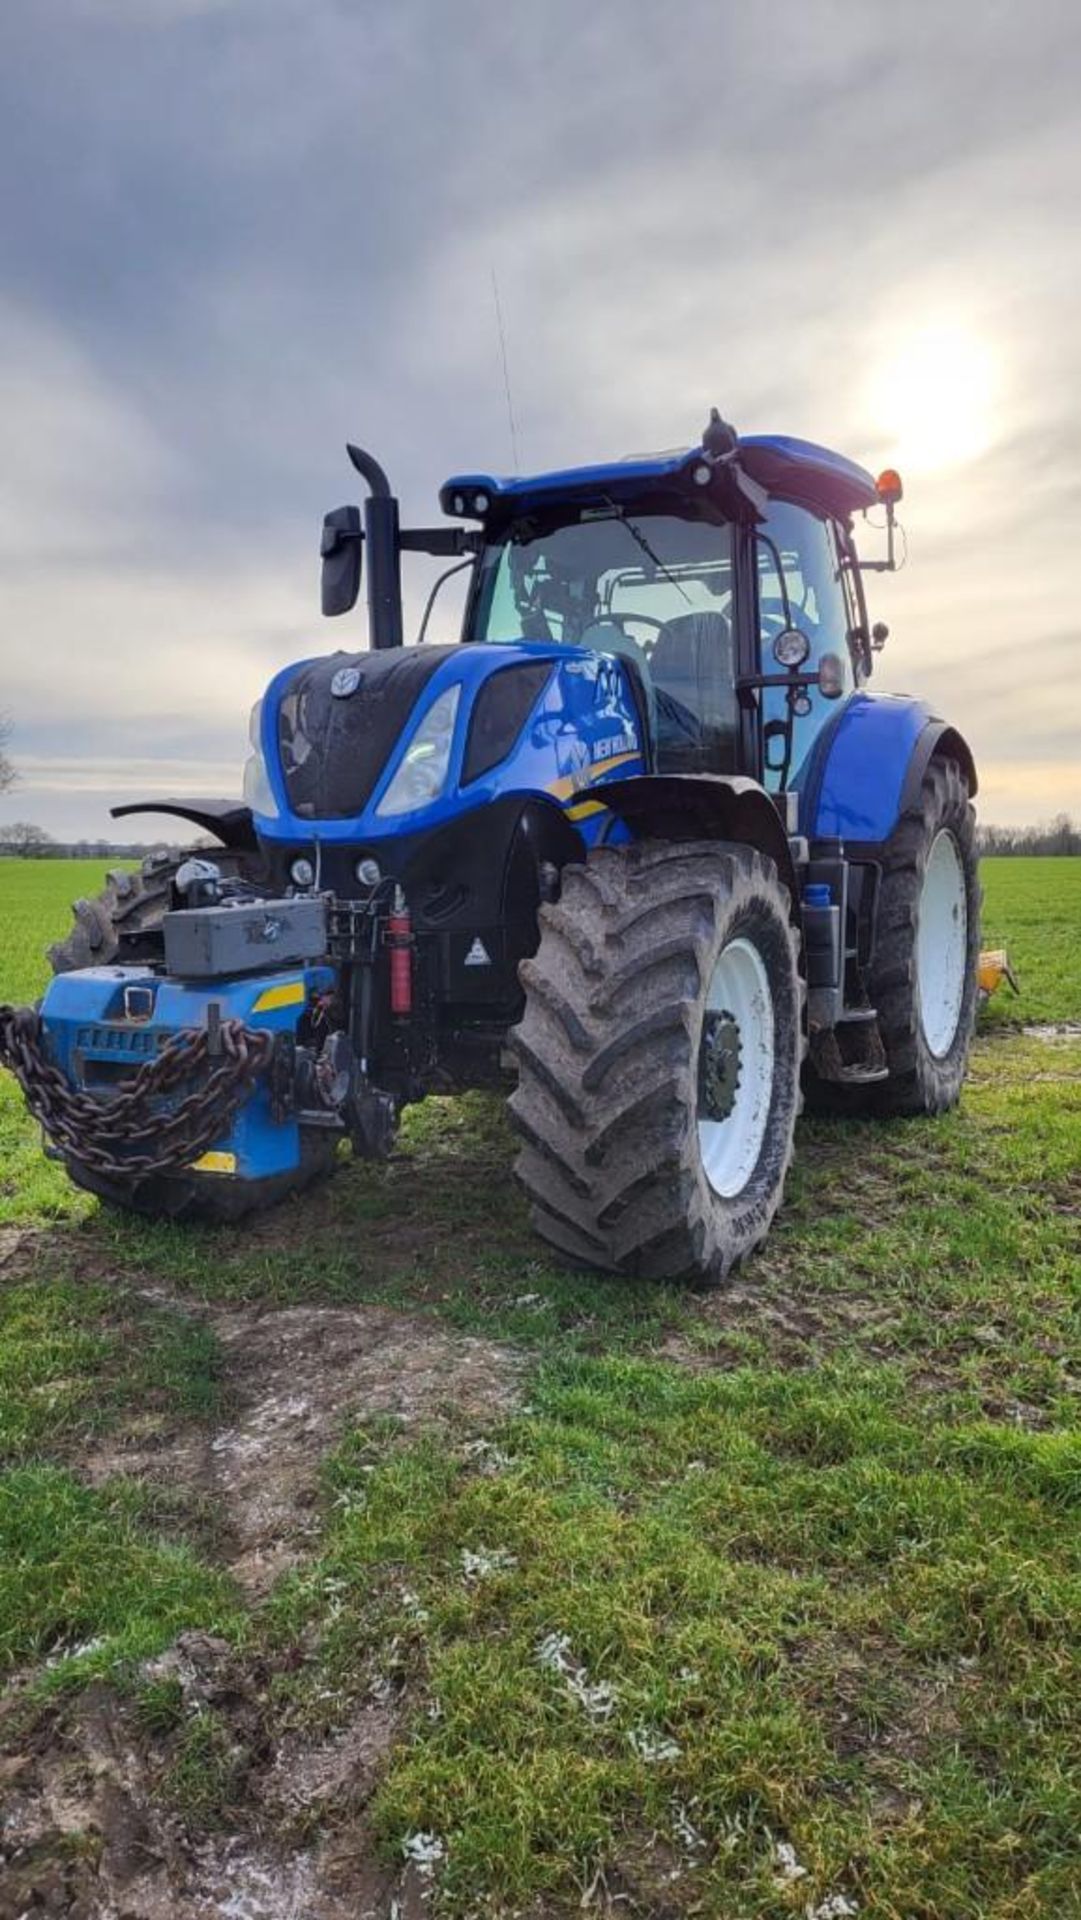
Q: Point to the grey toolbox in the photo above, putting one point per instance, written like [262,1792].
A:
[208,943]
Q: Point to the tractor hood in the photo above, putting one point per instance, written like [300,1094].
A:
[363,747]
[340,718]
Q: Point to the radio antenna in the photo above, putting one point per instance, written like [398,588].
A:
[506,373]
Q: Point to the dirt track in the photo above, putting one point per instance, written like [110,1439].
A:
[293,1378]
[83,1832]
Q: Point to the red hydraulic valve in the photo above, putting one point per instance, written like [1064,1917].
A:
[400,942]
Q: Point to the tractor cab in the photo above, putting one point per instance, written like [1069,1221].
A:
[728,583]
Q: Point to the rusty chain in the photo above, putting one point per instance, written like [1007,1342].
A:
[105,1133]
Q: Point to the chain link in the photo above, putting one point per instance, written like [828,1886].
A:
[107,1132]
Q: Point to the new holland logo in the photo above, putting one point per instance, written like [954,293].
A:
[478,955]
[345,682]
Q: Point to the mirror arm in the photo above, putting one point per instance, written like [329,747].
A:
[853,563]
[442,541]
[333,538]
[750,681]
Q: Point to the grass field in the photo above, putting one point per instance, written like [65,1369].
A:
[369,1557]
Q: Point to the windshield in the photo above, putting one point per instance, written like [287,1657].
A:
[654,588]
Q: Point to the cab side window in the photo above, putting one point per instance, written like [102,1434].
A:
[801,584]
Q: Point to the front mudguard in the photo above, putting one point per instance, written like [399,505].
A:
[229,820]
[702,806]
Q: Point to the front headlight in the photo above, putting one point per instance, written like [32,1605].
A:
[422,774]
[256,789]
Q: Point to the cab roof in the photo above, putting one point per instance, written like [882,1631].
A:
[791,469]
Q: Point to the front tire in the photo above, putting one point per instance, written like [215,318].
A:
[659,1059]
[123,923]
[924,976]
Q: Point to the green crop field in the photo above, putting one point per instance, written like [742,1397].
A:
[367,1556]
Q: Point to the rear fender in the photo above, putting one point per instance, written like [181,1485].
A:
[703,806]
[867,766]
[937,742]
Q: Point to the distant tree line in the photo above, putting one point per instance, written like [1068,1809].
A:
[22,840]
[1055,836]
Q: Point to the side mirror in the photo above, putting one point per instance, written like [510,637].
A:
[342,547]
[775,735]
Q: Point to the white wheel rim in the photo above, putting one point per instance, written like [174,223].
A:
[942,944]
[738,996]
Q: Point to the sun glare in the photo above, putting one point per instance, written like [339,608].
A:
[933,397]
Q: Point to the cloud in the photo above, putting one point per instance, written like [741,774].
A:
[82,471]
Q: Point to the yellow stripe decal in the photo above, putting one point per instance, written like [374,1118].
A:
[617,760]
[289,995]
[584,809]
[573,783]
[215,1163]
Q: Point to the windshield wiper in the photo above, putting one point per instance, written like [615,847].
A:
[640,539]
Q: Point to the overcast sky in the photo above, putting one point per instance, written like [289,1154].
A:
[235,232]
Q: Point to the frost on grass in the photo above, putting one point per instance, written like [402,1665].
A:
[788,1872]
[424,1851]
[79,1650]
[597,1699]
[487,1561]
[684,1829]
[652,1746]
[486,1456]
[786,1868]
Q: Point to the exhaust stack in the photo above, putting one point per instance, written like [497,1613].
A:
[384,553]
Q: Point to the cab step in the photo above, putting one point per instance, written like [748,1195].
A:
[850,1052]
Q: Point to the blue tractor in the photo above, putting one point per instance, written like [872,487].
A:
[640,846]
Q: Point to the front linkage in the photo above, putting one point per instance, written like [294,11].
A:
[129,1136]
[250,1053]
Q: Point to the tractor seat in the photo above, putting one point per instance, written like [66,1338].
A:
[693,669]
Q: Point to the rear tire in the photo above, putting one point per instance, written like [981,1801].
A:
[659,1059]
[923,978]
